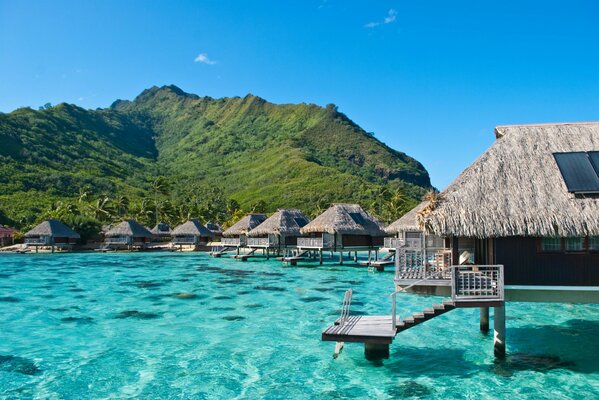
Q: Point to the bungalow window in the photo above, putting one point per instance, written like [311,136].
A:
[574,244]
[551,244]
[594,243]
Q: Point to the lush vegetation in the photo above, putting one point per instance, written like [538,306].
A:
[169,155]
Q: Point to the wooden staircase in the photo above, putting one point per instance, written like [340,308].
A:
[428,313]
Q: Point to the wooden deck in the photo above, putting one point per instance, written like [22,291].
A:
[361,329]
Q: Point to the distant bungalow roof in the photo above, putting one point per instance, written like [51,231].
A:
[161,229]
[192,227]
[346,219]
[53,228]
[245,224]
[516,189]
[408,222]
[129,228]
[283,222]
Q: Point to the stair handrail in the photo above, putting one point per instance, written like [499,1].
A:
[345,306]
[404,289]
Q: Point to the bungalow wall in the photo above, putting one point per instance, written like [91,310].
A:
[526,264]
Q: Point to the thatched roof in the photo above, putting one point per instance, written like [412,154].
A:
[129,227]
[408,222]
[192,228]
[283,222]
[516,189]
[347,219]
[214,228]
[161,229]
[54,229]
[245,225]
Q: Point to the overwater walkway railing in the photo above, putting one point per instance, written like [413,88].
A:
[477,282]
[317,242]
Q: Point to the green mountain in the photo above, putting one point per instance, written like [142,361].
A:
[258,154]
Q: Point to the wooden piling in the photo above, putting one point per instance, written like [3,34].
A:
[376,351]
[484,319]
[499,328]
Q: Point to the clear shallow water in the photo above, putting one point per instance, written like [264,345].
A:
[189,326]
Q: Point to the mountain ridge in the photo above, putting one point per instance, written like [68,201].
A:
[280,155]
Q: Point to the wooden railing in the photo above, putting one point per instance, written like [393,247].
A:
[231,241]
[184,240]
[117,240]
[477,282]
[262,242]
[42,241]
[393,242]
[316,242]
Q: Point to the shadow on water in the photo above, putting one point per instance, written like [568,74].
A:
[558,346]
[136,314]
[19,365]
[432,362]
[410,389]
[529,362]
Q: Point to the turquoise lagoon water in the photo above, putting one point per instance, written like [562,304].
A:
[188,326]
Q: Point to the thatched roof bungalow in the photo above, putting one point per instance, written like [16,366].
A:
[191,232]
[161,230]
[342,226]
[51,233]
[530,203]
[215,228]
[278,231]
[236,235]
[406,232]
[128,233]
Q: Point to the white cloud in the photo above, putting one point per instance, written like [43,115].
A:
[203,58]
[391,17]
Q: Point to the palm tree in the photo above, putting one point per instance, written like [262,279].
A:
[161,186]
[100,209]
[121,204]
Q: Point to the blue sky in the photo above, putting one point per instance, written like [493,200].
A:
[431,78]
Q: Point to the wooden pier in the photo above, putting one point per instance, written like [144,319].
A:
[472,286]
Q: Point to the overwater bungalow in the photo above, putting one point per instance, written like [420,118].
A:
[420,248]
[528,212]
[51,233]
[191,233]
[162,231]
[342,227]
[280,231]
[128,233]
[6,236]
[215,228]
[236,236]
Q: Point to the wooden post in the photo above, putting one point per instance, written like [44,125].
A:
[484,319]
[341,257]
[376,351]
[376,255]
[356,256]
[499,327]
[455,252]
[320,257]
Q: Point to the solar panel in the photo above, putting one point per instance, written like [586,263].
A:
[300,221]
[357,217]
[578,172]
[594,156]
